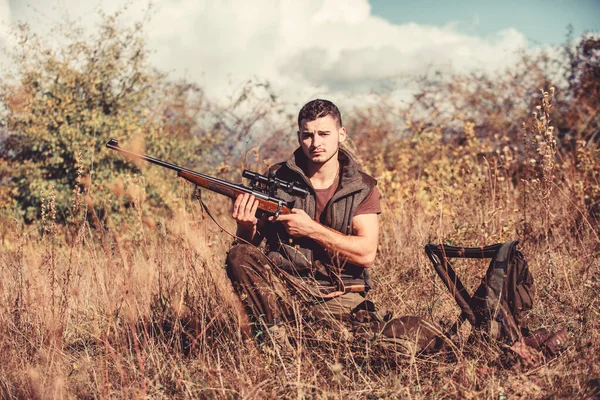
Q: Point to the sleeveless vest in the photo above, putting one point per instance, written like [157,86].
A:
[303,256]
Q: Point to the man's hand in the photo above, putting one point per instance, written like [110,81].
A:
[244,210]
[244,213]
[298,223]
[359,248]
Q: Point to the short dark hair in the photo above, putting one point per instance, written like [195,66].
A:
[319,108]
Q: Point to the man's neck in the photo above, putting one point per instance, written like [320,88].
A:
[322,176]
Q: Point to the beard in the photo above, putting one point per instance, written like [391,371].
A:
[321,159]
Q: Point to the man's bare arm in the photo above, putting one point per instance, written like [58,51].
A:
[359,248]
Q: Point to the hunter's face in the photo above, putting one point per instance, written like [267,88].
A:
[320,139]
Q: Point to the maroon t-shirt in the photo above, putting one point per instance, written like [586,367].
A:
[370,205]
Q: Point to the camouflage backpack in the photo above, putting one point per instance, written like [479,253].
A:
[507,291]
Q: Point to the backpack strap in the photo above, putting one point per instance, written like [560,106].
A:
[498,315]
[438,256]
[446,251]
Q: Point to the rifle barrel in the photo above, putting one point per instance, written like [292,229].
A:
[114,145]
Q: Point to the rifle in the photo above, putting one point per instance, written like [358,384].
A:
[262,187]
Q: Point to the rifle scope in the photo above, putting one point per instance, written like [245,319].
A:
[275,183]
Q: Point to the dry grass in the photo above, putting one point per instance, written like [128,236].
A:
[148,312]
[129,298]
[159,319]
[142,308]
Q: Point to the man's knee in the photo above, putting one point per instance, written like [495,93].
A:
[239,259]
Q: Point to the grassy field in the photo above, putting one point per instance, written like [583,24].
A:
[143,308]
[112,279]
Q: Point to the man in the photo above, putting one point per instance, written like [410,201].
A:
[318,257]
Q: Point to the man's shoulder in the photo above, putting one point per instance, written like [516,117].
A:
[279,168]
[352,171]
[276,167]
[367,179]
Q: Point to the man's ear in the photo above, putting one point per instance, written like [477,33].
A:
[299,140]
[342,134]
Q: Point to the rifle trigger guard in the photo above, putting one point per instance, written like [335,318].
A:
[278,211]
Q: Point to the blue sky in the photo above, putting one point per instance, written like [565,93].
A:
[542,22]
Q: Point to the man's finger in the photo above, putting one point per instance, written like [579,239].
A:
[250,203]
[254,207]
[278,219]
[236,205]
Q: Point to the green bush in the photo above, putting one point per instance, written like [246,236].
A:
[63,105]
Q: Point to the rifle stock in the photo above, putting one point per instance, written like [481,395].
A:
[266,203]
[270,205]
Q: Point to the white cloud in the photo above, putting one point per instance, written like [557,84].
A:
[4,21]
[305,48]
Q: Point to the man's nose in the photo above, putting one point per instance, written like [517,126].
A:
[316,140]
